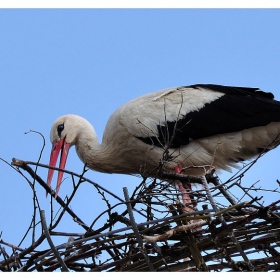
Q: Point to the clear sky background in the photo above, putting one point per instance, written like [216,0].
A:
[91,61]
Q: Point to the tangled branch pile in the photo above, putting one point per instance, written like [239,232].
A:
[151,232]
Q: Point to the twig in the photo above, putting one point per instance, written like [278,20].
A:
[69,200]
[46,231]
[72,174]
[35,199]
[231,234]
[135,229]
[23,165]
[172,232]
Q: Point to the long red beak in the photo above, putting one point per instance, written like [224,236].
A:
[58,146]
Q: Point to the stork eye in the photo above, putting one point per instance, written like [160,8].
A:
[59,129]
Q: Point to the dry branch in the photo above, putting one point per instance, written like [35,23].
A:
[151,233]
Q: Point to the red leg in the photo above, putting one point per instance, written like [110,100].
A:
[185,196]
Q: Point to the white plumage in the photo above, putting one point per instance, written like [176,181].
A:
[201,126]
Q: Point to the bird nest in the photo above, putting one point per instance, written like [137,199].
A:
[149,231]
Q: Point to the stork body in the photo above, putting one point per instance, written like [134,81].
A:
[192,129]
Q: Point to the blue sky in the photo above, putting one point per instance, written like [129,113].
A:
[91,61]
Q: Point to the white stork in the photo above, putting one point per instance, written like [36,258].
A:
[189,129]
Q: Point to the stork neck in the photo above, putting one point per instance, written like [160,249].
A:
[91,152]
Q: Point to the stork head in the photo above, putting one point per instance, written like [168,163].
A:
[63,135]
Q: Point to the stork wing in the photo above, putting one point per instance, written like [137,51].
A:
[176,116]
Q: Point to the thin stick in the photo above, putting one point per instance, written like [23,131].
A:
[56,253]
[68,172]
[23,165]
[135,229]
[221,218]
